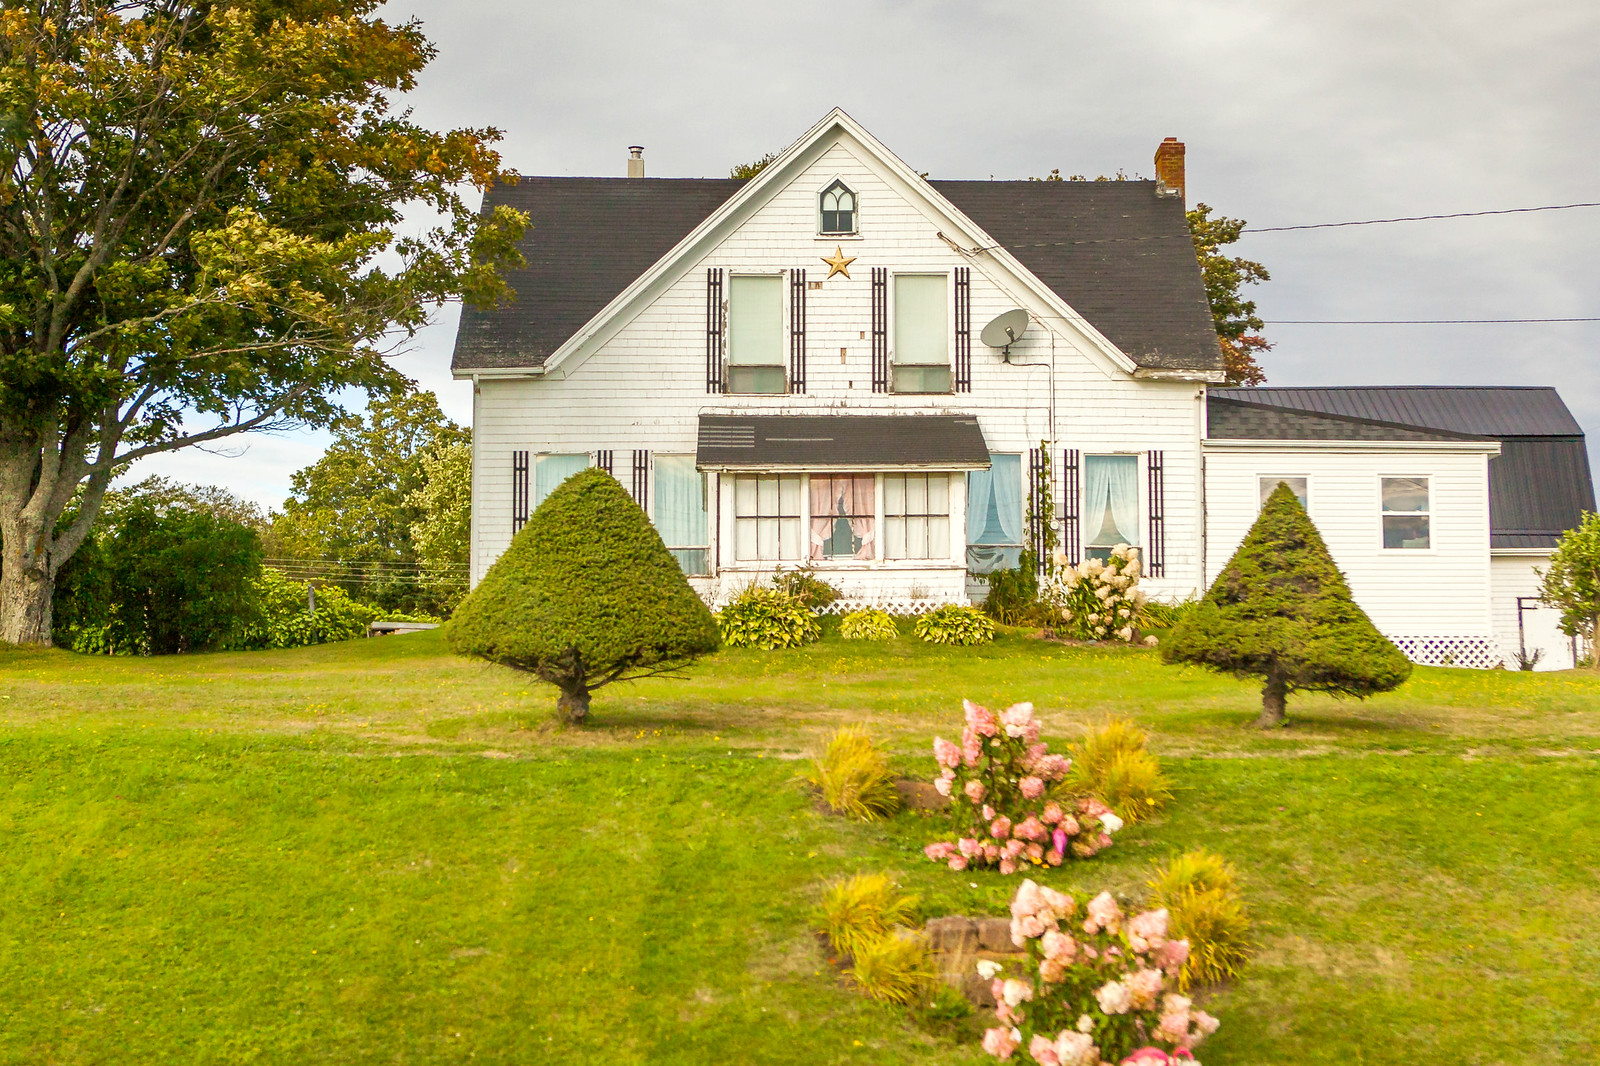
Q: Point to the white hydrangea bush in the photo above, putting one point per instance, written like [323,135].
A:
[1096,600]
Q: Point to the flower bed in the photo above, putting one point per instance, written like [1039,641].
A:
[1098,989]
[1001,778]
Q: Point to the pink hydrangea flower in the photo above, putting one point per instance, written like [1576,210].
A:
[1035,752]
[1043,1051]
[969,846]
[1016,718]
[1014,847]
[1114,998]
[1103,914]
[1000,828]
[1058,945]
[948,754]
[1077,1049]
[981,719]
[1172,955]
[1032,787]
[942,786]
[1055,904]
[988,813]
[1008,866]
[974,791]
[1013,992]
[1147,929]
[971,746]
[1092,807]
[1035,852]
[1001,1042]
[1030,829]
[958,863]
[1052,813]
[1027,900]
[1144,986]
[939,851]
[1148,1056]
[991,853]
[1053,767]
[1053,857]
[1070,826]
[1052,971]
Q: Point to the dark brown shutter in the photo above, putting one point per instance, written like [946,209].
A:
[963,329]
[641,479]
[602,459]
[1156,561]
[1070,501]
[797,331]
[880,329]
[714,330]
[519,491]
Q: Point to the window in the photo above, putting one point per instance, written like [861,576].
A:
[766,518]
[1405,512]
[843,510]
[921,333]
[1110,503]
[551,469]
[755,334]
[994,515]
[916,516]
[838,209]
[1297,485]
[679,510]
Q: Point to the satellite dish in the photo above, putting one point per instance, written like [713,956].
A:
[1006,330]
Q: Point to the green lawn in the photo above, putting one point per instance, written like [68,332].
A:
[376,852]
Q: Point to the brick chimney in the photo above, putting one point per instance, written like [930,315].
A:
[1169,167]
[636,161]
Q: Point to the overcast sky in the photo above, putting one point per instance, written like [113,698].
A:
[1293,112]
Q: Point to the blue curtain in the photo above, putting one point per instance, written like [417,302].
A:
[680,510]
[550,470]
[994,514]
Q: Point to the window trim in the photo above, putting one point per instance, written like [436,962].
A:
[1141,496]
[781,363]
[1426,479]
[949,331]
[855,210]
[1307,478]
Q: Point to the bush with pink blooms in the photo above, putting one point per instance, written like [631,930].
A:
[1002,782]
[1100,988]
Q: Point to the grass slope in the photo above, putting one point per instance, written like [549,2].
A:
[380,852]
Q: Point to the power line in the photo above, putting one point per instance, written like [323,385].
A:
[1416,321]
[1419,218]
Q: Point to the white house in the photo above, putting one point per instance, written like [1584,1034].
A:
[791,370]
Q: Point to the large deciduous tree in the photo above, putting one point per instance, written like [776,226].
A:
[1238,326]
[199,212]
[1281,611]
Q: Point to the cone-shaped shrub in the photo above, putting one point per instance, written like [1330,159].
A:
[1281,611]
[586,594]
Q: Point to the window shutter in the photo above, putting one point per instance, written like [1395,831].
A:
[1071,539]
[1038,487]
[641,479]
[880,329]
[519,491]
[602,459]
[714,330]
[797,331]
[1156,469]
[963,329]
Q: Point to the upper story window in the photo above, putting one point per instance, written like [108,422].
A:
[838,209]
[1405,512]
[921,333]
[755,334]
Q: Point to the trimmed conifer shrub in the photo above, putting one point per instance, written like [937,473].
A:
[586,594]
[1281,610]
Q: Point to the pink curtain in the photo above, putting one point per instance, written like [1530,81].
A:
[822,509]
[863,508]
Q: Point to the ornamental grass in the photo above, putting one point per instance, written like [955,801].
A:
[894,968]
[864,909]
[1114,764]
[1199,891]
[854,776]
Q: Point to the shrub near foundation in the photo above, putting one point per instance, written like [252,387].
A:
[954,624]
[586,594]
[868,624]
[767,619]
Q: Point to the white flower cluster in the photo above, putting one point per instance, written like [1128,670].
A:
[1096,600]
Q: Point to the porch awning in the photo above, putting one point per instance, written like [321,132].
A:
[841,442]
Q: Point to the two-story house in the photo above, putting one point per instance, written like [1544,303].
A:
[791,370]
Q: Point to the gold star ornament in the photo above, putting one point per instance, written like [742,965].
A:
[838,263]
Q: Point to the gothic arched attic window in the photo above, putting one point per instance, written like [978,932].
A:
[838,209]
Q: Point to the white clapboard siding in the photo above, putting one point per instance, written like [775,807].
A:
[1440,594]
[1519,575]
[644,388]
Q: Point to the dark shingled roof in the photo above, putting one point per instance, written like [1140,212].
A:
[841,441]
[1116,252]
[1539,484]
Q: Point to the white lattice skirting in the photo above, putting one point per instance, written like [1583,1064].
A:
[905,606]
[1475,653]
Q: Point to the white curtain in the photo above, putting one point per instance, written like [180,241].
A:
[552,469]
[1111,499]
[994,514]
[680,510]
[921,324]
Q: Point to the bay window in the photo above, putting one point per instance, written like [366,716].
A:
[843,511]
[916,516]
[766,518]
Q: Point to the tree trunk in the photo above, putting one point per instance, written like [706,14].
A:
[573,706]
[1274,697]
[27,583]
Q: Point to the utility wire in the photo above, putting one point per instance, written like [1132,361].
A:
[1416,321]
[1419,218]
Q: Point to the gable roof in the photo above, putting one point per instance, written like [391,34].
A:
[1539,485]
[1116,252]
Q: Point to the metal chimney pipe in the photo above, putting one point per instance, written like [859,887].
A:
[635,160]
